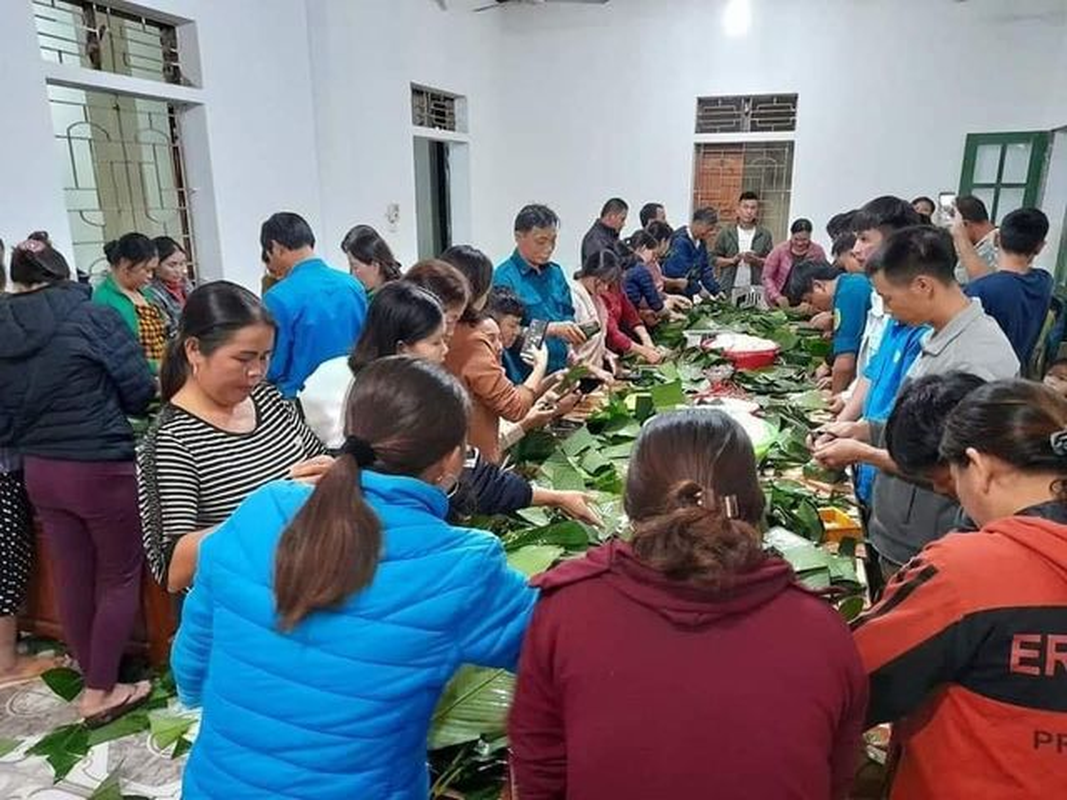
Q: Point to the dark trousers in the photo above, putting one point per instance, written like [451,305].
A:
[90,519]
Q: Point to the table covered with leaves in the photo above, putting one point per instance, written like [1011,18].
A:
[467,746]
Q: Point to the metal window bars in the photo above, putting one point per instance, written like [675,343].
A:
[759,113]
[96,36]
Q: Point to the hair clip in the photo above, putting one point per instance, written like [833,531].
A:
[31,246]
[730,506]
[1058,441]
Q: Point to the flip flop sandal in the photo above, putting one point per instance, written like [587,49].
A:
[134,701]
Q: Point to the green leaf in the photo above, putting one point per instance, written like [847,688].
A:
[109,789]
[64,681]
[126,725]
[534,515]
[63,748]
[578,442]
[618,451]
[807,514]
[851,607]
[533,559]
[474,705]
[811,400]
[169,728]
[593,462]
[569,534]
[667,395]
[562,474]
[182,747]
[784,338]
[8,745]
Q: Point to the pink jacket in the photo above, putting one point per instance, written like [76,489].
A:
[779,264]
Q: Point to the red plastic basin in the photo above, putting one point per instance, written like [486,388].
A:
[752,359]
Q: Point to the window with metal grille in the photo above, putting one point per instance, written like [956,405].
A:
[723,171]
[433,109]
[757,113]
[97,36]
[122,171]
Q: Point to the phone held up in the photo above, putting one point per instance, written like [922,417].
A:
[533,339]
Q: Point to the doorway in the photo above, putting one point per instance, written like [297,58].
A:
[433,207]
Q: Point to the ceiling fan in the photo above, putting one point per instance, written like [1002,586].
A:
[502,3]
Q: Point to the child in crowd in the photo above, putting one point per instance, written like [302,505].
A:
[1017,295]
[1056,377]
[474,358]
[691,594]
[965,651]
[826,288]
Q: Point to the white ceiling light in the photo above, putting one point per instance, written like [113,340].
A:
[737,18]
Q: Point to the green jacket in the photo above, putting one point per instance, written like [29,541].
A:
[726,245]
[108,294]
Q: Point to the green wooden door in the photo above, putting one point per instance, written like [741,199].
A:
[1004,170]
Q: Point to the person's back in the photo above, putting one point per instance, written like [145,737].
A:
[1019,302]
[323,310]
[1017,295]
[71,371]
[965,649]
[652,667]
[319,311]
[320,681]
[665,688]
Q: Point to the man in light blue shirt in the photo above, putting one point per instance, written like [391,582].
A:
[319,311]
[540,283]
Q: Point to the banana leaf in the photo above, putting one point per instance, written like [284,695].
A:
[667,395]
[473,706]
[169,728]
[64,681]
[562,474]
[534,558]
[63,748]
[578,442]
[8,745]
[594,462]
[570,535]
[109,789]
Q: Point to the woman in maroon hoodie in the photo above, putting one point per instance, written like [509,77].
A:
[687,662]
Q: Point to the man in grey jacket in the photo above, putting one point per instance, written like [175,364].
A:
[914,274]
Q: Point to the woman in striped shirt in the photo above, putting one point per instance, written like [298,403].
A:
[222,433]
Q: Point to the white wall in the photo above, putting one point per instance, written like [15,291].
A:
[888,89]
[365,55]
[251,148]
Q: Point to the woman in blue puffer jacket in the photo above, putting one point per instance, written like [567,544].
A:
[324,623]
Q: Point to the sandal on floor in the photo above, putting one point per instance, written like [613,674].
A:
[136,698]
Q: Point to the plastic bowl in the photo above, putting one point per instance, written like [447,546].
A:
[751,359]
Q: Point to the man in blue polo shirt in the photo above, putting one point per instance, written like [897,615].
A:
[540,283]
[319,311]
[826,287]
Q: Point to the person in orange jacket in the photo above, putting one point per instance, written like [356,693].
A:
[967,650]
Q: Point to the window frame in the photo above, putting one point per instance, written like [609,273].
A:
[1039,144]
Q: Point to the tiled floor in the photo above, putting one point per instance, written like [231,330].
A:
[30,711]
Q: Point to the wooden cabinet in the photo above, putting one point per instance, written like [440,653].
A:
[152,632]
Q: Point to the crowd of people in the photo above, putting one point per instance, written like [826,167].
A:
[303,488]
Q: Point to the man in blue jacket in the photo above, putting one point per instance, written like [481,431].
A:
[688,259]
[319,310]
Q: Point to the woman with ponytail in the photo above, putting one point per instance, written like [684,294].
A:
[325,623]
[967,650]
[686,658]
[222,433]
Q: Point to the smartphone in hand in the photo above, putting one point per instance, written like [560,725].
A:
[534,339]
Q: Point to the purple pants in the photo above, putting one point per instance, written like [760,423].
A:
[88,511]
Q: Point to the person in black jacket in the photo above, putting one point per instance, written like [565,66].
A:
[71,371]
[604,235]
